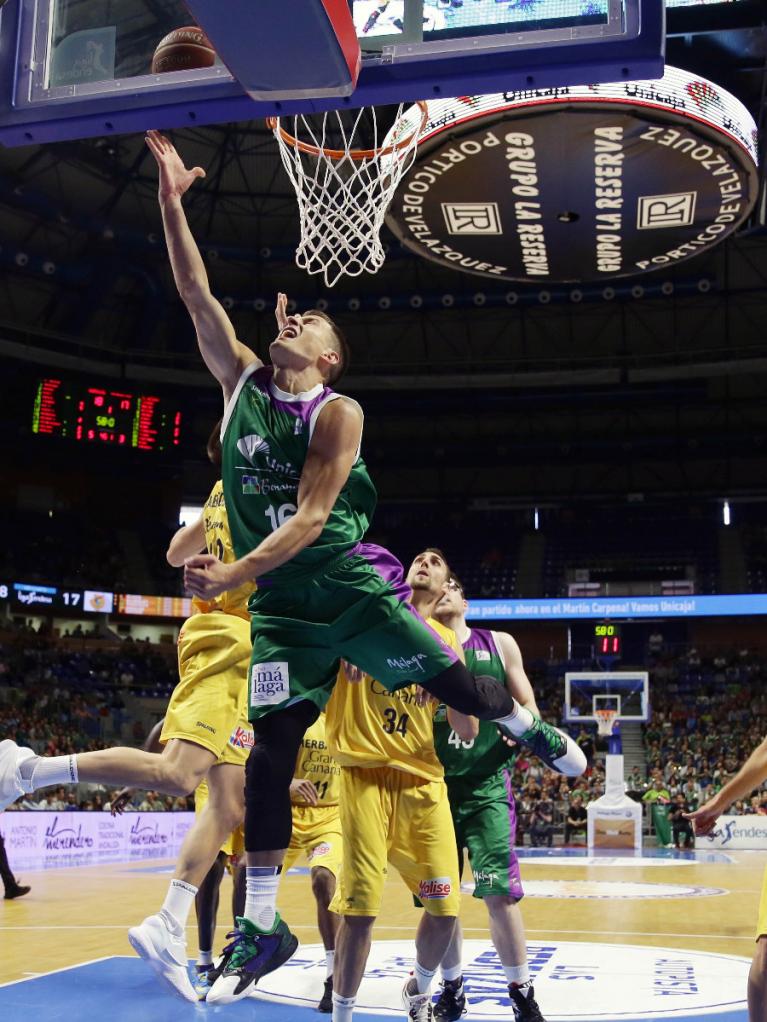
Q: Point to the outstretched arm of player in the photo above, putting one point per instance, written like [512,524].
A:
[188,541]
[517,681]
[750,776]
[331,455]
[224,355]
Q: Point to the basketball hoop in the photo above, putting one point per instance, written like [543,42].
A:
[344,190]
[605,721]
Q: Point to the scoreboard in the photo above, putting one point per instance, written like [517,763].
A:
[98,415]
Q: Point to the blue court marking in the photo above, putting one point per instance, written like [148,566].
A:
[121,988]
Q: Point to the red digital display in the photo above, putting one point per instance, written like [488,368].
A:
[608,639]
[98,415]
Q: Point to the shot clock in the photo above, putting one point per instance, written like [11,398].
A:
[607,639]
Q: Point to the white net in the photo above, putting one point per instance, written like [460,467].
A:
[605,721]
[344,190]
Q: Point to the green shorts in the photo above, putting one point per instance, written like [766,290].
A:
[358,610]
[485,822]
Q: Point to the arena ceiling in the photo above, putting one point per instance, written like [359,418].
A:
[679,363]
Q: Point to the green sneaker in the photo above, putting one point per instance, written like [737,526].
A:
[252,954]
[556,749]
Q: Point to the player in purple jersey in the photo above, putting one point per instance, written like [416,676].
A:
[484,814]
[299,501]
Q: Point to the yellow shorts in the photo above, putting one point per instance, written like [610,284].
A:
[317,835]
[761,923]
[235,843]
[209,706]
[388,816]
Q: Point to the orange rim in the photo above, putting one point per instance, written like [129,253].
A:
[273,123]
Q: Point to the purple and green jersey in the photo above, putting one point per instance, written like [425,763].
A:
[265,437]
[479,784]
[337,598]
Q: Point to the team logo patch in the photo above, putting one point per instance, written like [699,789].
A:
[269,683]
[321,849]
[434,890]
[251,445]
[482,654]
[241,738]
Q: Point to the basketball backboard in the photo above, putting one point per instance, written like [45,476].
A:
[624,691]
[77,68]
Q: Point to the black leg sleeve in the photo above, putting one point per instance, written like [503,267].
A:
[9,880]
[268,774]
[206,903]
[481,697]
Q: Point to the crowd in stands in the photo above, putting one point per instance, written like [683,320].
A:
[708,713]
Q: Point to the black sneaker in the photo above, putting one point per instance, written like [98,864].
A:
[326,1001]
[451,1003]
[16,891]
[525,1006]
[252,954]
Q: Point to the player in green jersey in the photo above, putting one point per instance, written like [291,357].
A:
[300,500]
[484,814]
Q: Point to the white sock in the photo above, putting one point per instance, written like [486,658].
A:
[204,957]
[452,974]
[343,1008]
[573,761]
[422,977]
[43,771]
[329,956]
[261,895]
[519,975]
[519,721]
[178,903]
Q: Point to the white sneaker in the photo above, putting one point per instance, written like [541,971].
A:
[417,1006]
[11,783]
[165,952]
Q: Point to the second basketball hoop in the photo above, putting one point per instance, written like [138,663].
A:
[345,167]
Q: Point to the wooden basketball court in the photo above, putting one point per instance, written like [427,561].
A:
[691,904]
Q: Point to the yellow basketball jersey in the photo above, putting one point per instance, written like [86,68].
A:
[368,726]
[315,763]
[218,541]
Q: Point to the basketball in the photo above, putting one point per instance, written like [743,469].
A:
[183,49]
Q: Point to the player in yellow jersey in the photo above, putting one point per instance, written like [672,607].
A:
[206,734]
[314,794]
[394,809]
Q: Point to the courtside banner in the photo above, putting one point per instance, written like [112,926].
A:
[571,609]
[737,832]
[45,840]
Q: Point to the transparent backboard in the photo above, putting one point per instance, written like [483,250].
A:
[624,691]
[67,65]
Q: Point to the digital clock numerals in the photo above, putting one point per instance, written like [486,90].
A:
[608,639]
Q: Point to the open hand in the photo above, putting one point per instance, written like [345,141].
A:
[304,789]
[704,819]
[353,674]
[207,577]
[175,178]
[120,801]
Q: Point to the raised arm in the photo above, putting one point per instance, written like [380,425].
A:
[188,541]
[517,681]
[750,776]
[329,461]
[224,355]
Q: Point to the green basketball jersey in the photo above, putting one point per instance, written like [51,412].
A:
[483,756]
[265,438]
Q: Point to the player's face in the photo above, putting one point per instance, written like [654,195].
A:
[428,573]
[452,601]
[304,341]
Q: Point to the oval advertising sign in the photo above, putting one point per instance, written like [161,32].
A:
[577,184]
